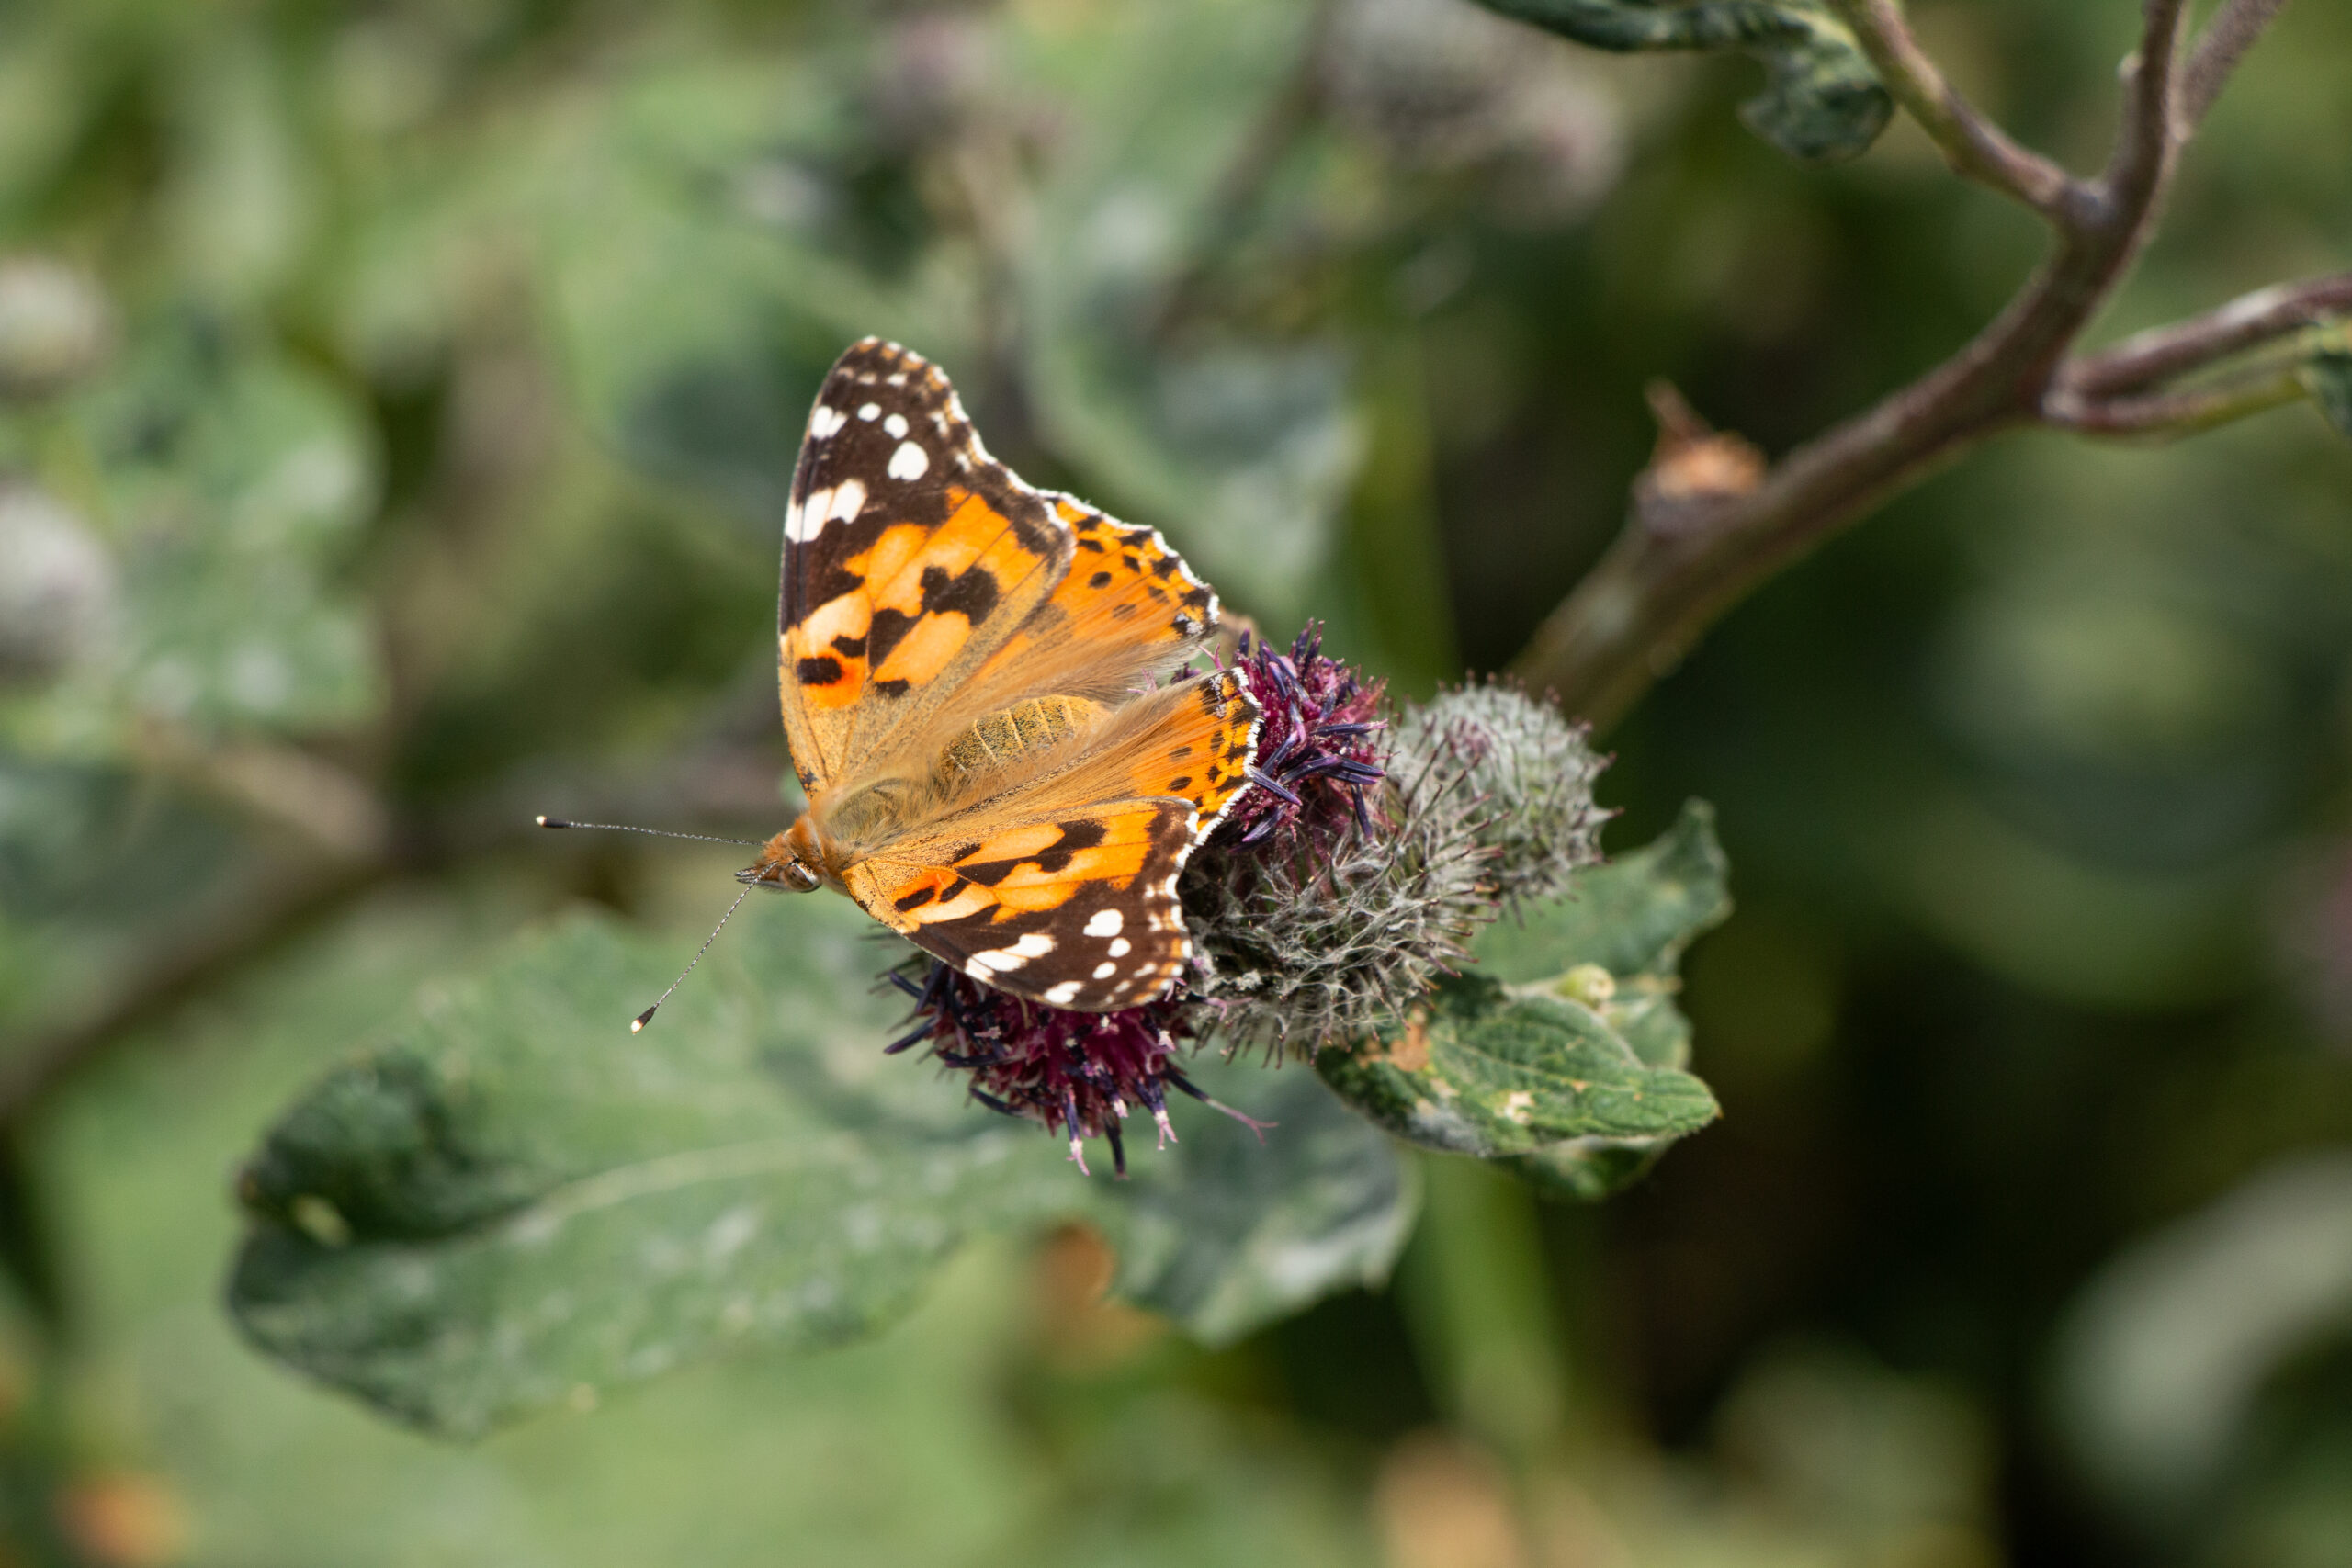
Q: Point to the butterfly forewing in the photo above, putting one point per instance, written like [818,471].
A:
[909,556]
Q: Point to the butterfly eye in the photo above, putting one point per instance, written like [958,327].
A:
[781,875]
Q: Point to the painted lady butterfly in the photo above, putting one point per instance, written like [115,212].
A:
[966,669]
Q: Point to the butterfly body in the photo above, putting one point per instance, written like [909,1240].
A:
[972,679]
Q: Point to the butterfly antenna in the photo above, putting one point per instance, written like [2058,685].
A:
[657,832]
[641,1019]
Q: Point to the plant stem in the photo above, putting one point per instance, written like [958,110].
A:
[2163,416]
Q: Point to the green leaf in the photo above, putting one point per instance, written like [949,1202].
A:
[902,1451]
[514,1199]
[2163,1361]
[1564,1052]
[1249,443]
[1488,1069]
[1821,102]
[718,240]
[708,257]
[2328,377]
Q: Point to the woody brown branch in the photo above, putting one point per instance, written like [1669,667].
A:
[2165,416]
[1654,593]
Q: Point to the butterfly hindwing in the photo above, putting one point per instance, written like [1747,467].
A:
[1076,912]
[1068,897]
[911,555]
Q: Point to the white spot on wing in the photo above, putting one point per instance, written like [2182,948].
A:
[869,410]
[841,503]
[896,424]
[1005,960]
[1106,922]
[826,422]
[1062,995]
[1120,946]
[1104,971]
[801,522]
[909,462]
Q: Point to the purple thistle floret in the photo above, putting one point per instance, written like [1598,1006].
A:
[1318,751]
[1081,1074]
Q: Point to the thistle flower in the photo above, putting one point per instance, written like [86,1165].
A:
[1081,1074]
[1339,888]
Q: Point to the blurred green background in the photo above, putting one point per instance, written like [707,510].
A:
[398,402]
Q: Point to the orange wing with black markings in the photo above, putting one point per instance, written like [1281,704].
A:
[967,668]
[1127,605]
[1066,895]
[909,556]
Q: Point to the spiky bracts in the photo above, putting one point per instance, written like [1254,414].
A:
[1532,775]
[1307,942]
[1317,938]
[1351,875]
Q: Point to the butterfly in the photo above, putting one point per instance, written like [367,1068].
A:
[972,677]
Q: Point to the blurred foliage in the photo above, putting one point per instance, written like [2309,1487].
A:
[514,1201]
[394,402]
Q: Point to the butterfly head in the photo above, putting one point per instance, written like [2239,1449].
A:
[788,864]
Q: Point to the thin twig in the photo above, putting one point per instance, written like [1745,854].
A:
[1976,147]
[2166,416]
[2161,353]
[333,811]
[2151,131]
[2232,31]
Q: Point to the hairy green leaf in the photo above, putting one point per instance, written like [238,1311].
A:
[1489,1069]
[1237,1231]
[1632,919]
[1821,101]
[514,1199]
